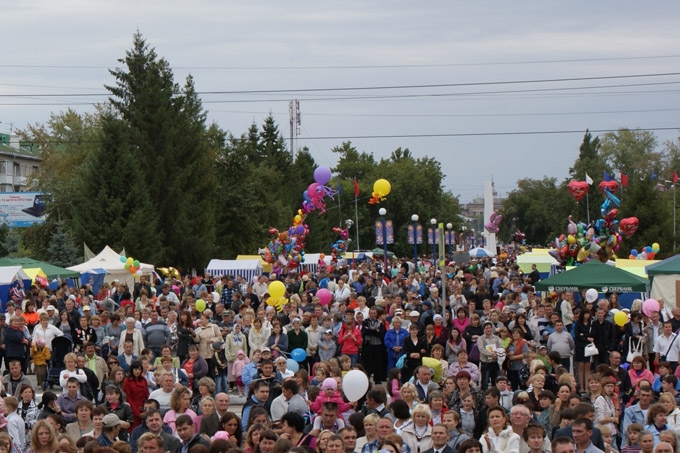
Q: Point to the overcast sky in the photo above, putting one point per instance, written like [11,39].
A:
[66,46]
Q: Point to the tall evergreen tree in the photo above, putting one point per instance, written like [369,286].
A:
[166,124]
[114,206]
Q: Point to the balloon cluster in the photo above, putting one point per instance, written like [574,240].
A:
[339,247]
[317,191]
[381,188]
[647,253]
[519,237]
[131,265]
[494,221]
[287,247]
[599,239]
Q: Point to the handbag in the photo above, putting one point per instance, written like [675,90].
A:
[590,350]
[633,351]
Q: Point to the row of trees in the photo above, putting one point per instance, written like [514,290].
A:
[540,208]
[145,172]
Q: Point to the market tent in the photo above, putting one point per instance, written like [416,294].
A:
[665,277]
[311,263]
[50,270]
[594,274]
[266,267]
[109,260]
[636,267]
[8,275]
[38,275]
[94,278]
[235,268]
[540,258]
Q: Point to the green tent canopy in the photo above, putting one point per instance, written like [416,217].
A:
[669,266]
[594,274]
[50,270]
[380,252]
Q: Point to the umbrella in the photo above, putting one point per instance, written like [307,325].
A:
[480,252]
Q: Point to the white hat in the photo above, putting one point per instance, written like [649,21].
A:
[110,420]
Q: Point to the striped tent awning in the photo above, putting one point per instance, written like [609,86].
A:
[235,268]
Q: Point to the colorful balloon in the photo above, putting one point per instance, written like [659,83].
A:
[322,175]
[355,385]
[620,318]
[200,305]
[382,187]
[277,289]
[298,354]
[649,306]
[324,296]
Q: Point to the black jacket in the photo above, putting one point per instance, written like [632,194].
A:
[196,440]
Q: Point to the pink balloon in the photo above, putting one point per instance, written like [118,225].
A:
[649,306]
[325,296]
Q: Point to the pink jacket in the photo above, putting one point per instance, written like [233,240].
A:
[396,390]
[238,366]
[322,398]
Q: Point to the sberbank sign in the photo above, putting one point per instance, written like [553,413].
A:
[560,289]
[617,289]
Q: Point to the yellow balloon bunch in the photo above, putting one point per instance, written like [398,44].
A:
[381,188]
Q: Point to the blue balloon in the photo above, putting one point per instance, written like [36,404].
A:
[299,355]
[634,252]
[292,365]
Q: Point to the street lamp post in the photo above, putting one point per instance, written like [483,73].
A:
[449,235]
[465,238]
[433,222]
[414,219]
[383,212]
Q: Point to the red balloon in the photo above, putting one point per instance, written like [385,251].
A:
[629,226]
[578,189]
[611,186]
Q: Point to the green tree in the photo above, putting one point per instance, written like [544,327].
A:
[166,127]
[632,152]
[589,162]
[61,251]
[114,206]
[538,208]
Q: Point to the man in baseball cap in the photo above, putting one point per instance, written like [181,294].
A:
[110,429]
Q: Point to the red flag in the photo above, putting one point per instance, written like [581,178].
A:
[675,177]
[356,188]
[624,180]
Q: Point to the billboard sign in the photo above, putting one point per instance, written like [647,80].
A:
[21,209]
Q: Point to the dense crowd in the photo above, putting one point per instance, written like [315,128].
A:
[470,360]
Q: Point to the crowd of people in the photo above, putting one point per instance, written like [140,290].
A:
[469,360]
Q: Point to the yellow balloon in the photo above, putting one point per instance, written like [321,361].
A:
[382,187]
[436,365]
[620,318]
[277,289]
[571,239]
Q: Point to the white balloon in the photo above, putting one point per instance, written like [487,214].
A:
[355,385]
[591,295]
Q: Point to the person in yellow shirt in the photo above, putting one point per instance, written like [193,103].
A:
[40,355]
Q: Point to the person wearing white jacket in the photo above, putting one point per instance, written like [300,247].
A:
[258,335]
[46,331]
[499,438]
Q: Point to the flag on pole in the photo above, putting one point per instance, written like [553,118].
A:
[624,180]
[607,177]
[675,177]
[589,180]
[356,188]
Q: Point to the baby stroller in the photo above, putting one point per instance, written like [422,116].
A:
[60,347]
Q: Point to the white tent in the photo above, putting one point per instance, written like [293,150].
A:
[109,260]
[235,268]
[10,273]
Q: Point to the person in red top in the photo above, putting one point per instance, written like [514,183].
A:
[349,338]
[136,388]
